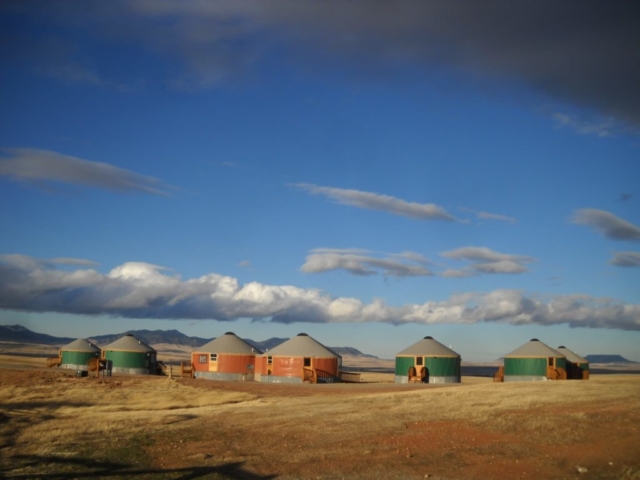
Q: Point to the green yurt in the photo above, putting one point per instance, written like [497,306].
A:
[577,366]
[76,354]
[129,354]
[531,361]
[428,361]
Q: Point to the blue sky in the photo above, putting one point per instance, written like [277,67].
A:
[366,173]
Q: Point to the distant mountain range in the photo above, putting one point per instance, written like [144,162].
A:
[607,359]
[20,334]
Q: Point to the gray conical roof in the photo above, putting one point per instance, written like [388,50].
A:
[572,356]
[129,343]
[534,348]
[428,347]
[302,345]
[228,343]
[80,345]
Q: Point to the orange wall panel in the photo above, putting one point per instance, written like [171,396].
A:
[327,364]
[197,366]
[235,363]
[287,366]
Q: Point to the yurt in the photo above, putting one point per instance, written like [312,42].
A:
[427,361]
[129,354]
[227,357]
[76,354]
[300,359]
[577,366]
[534,361]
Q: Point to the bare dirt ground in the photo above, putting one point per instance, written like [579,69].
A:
[54,425]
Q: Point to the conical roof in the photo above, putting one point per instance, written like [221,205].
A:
[428,347]
[129,343]
[80,345]
[302,345]
[572,356]
[228,343]
[534,348]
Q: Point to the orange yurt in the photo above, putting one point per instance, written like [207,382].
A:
[298,360]
[227,357]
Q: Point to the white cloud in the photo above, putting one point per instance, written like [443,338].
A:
[496,216]
[485,260]
[599,128]
[375,201]
[626,259]
[491,216]
[608,224]
[72,261]
[453,273]
[245,264]
[141,290]
[34,165]
[412,256]
[503,266]
[363,262]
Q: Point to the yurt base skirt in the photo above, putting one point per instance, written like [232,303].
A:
[405,379]
[131,371]
[278,379]
[71,366]
[232,377]
[524,378]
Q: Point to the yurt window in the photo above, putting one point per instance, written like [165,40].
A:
[214,357]
[307,361]
[551,361]
[269,360]
[419,361]
[202,359]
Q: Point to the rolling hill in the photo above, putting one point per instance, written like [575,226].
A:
[20,334]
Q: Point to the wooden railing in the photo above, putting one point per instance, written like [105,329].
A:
[186,369]
[100,365]
[309,375]
[556,373]
[326,377]
[349,377]
[161,368]
[54,361]
[499,375]
[318,376]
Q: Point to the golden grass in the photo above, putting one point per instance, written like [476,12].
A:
[64,415]
[19,361]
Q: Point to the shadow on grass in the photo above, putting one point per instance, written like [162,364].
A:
[53,468]
[47,404]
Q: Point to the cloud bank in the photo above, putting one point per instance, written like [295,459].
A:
[608,224]
[44,166]
[142,290]
[375,201]
[363,263]
[581,53]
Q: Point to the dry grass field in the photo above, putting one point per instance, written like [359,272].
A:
[54,425]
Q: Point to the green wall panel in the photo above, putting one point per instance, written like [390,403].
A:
[128,359]
[77,358]
[561,363]
[443,366]
[403,364]
[525,366]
